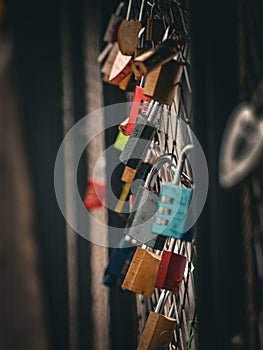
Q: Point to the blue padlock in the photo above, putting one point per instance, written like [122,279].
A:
[119,262]
[173,206]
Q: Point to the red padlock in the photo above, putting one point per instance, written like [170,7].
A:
[95,196]
[140,103]
[171,271]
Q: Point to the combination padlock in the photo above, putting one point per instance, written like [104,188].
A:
[118,263]
[145,206]
[171,271]
[142,272]
[129,30]
[111,32]
[173,205]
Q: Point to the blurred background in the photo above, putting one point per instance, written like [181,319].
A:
[51,292]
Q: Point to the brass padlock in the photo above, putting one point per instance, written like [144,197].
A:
[142,272]
[157,56]
[161,83]
[157,333]
[155,25]
[129,30]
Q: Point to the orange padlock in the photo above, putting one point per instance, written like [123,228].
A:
[142,272]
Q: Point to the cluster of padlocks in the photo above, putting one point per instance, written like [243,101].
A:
[147,54]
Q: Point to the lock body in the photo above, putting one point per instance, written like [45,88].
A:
[140,103]
[128,83]
[128,36]
[118,264]
[156,57]
[121,68]
[142,272]
[157,333]
[107,66]
[154,29]
[171,271]
[120,141]
[161,83]
[145,206]
[172,211]
[138,143]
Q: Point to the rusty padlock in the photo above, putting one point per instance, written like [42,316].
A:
[142,272]
[129,30]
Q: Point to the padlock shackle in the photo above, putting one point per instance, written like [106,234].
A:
[157,165]
[162,301]
[129,10]
[119,8]
[180,163]
[141,10]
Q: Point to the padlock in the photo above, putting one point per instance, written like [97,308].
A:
[157,56]
[95,196]
[128,83]
[173,205]
[141,219]
[118,263]
[111,32]
[129,174]
[140,176]
[121,68]
[129,30]
[171,271]
[140,103]
[157,333]
[120,141]
[142,272]
[142,46]
[122,199]
[161,83]
[155,25]
[140,138]
[106,68]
